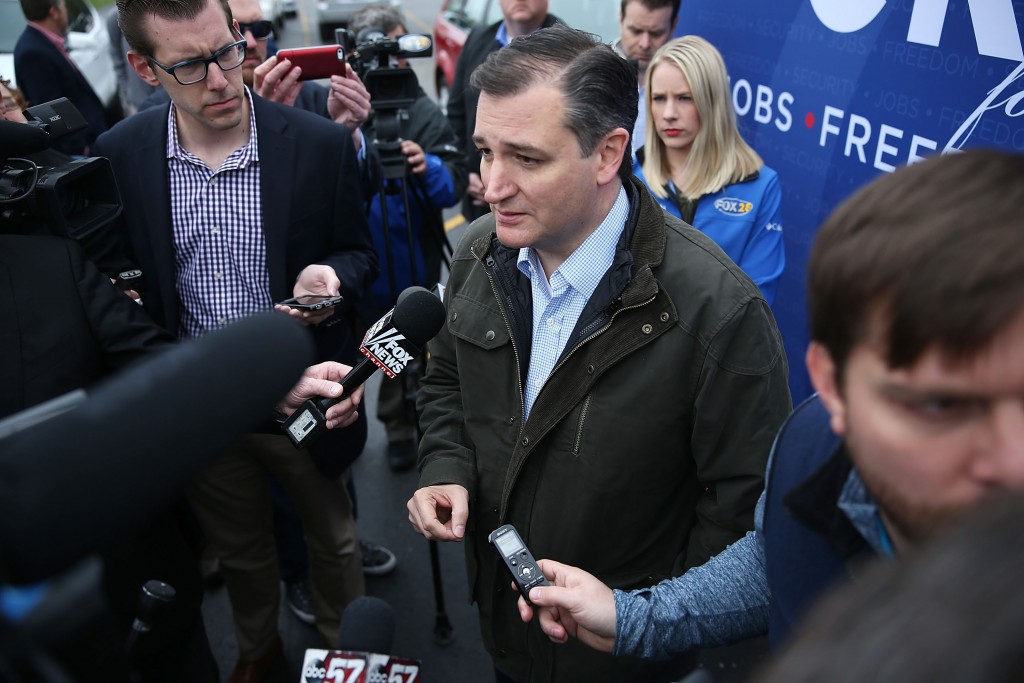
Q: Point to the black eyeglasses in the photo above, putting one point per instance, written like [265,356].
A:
[259,29]
[194,70]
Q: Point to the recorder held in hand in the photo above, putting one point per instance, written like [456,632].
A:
[517,559]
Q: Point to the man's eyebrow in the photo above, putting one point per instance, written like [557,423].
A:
[521,148]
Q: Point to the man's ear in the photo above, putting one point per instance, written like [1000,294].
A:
[612,151]
[824,377]
[141,66]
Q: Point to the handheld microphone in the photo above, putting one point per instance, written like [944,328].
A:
[154,596]
[365,635]
[389,345]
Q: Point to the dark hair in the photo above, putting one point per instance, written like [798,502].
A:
[36,10]
[928,255]
[131,14]
[598,85]
[952,613]
[379,15]
[653,5]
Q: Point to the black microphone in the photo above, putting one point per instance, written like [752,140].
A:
[154,597]
[17,139]
[364,641]
[367,625]
[389,345]
[72,485]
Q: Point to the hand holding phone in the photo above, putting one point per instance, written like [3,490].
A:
[312,302]
[320,61]
[517,559]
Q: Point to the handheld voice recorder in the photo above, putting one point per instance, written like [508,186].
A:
[517,559]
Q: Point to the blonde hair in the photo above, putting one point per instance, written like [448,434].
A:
[718,155]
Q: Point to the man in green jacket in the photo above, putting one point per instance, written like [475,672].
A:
[608,381]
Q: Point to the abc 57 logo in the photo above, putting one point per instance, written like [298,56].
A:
[314,672]
[337,667]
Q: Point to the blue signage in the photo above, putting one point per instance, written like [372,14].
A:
[833,92]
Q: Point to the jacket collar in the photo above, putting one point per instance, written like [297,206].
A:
[816,503]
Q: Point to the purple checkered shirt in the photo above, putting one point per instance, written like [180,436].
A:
[220,251]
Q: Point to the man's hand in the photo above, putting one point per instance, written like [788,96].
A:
[415,156]
[322,380]
[476,189]
[349,101]
[314,279]
[577,604]
[440,512]
[277,80]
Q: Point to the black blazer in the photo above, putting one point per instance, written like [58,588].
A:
[63,326]
[44,74]
[312,213]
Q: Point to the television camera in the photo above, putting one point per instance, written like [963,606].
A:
[392,88]
[44,191]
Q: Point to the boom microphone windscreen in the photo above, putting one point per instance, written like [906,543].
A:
[73,484]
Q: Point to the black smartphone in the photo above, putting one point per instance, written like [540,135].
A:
[312,302]
[517,559]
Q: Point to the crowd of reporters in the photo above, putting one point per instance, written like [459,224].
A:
[520,413]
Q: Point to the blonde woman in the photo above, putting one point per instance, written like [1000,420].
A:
[699,168]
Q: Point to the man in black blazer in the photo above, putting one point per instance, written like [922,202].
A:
[519,17]
[232,203]
[45,72]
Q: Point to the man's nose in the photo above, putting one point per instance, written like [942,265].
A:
[1003,461]
[497,182]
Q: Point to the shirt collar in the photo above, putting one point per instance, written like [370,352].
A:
[240,158]
[54,38]
[598,250]
[504,38]
[861,509]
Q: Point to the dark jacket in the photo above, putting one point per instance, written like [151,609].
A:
[810,543]
[646,448]
[463,99]
[44,74]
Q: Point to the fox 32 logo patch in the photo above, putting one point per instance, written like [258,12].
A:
[733,207]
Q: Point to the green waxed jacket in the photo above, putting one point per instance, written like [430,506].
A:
[646,448]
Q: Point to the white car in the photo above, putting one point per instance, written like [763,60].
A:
[88,43]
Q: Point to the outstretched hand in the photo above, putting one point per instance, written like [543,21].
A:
[576,604]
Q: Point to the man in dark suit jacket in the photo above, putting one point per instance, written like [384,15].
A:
[45,72]
[519,19]
[232,203]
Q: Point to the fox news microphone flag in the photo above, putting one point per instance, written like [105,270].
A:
[389,345]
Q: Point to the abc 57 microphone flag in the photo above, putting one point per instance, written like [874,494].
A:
[390,345]
[339,666]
